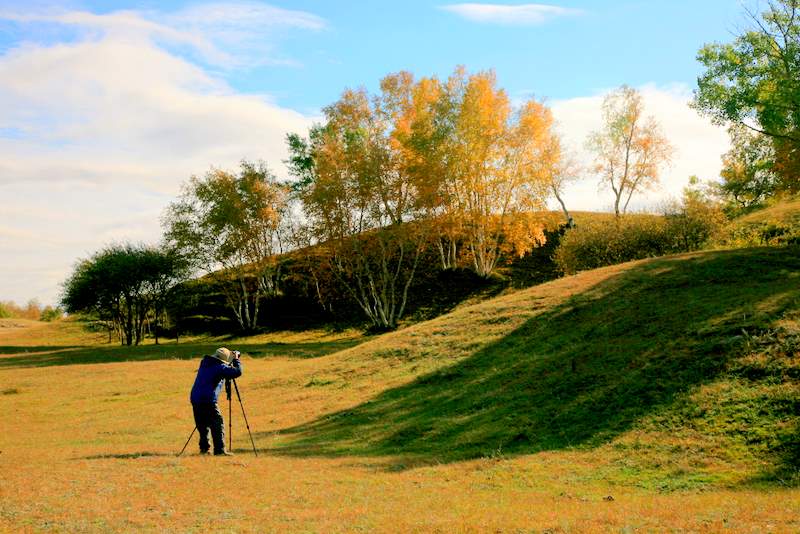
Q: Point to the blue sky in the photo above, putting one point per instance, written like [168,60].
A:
[608,43]
[106,108]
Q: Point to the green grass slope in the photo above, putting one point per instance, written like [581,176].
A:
[672,372]
[778,224]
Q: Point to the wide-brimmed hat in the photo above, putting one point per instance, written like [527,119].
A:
[223,355]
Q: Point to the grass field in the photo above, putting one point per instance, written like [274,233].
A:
[656,396]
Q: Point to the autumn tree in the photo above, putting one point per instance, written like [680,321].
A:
[501,167]
[360,200]
[424,141]
[630,149]
[755,82]
[231,225]
[482,168]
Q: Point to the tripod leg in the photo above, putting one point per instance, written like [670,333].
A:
[187,441]
[244,415]
[230,419]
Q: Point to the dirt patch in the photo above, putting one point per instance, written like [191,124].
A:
[13,323]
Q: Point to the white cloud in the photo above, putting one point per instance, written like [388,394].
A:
[698,144]
[239,28]
[514,15]
[227,35]
[96,136]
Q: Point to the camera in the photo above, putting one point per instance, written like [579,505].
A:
[236,354]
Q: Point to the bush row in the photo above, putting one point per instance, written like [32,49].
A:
[600,242]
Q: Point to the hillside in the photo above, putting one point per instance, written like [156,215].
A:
[656,395]
[686,367]
[778,224]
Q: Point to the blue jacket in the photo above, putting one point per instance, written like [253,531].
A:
[208,383]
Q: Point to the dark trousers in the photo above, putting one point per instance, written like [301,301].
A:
[207,417]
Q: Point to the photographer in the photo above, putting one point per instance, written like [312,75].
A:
[223,365]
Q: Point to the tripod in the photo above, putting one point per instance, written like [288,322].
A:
[230,418]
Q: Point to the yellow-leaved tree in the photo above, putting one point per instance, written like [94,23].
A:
[449,162]
[233,226]
[359,200]
[482,170]
[501,166]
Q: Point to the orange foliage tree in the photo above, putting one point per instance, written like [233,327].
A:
[423,159]
[629,149]
[482,168]
[500,164]
[360,200]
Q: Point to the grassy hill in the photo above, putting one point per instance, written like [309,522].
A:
[657,395]
[778,224]
[686,366]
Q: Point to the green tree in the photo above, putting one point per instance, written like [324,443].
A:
[233,226]
[748,169]
[755,81]
[121,285]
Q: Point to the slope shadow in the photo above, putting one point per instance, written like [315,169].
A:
[26,357]
[578,375]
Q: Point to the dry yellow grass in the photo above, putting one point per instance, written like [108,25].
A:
[91,447]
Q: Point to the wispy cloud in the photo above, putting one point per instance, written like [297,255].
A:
[247,31]
[226,35]
[508,14]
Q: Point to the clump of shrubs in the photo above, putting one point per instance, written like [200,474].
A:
[766,233]
[50,314]
[690,225]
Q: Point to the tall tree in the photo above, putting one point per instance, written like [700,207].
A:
[508,179]
[489,168]
[359,199]
[630,149]
[755,81]
[233,227]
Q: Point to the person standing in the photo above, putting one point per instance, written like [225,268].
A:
[224,364]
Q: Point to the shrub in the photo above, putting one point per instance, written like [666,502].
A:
[50,314]
[762,233]
[598,243]
[10,309]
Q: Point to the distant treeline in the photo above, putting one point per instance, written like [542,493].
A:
[32,310]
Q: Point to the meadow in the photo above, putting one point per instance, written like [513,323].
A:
[655,396]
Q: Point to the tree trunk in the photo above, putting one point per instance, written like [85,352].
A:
[570,222]
[129,324]
[155,323]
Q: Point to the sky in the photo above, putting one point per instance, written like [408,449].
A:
[108,107]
